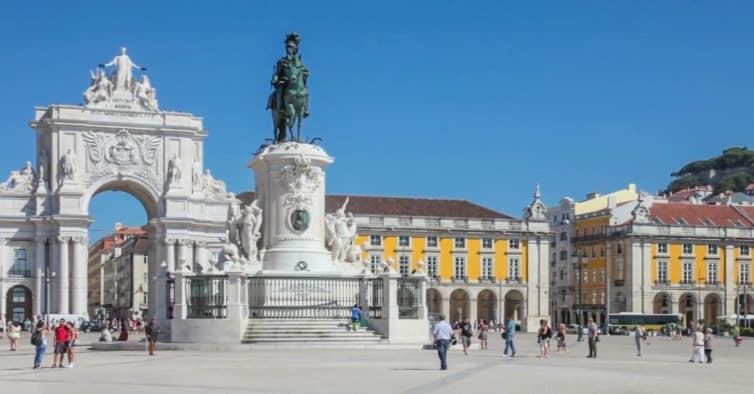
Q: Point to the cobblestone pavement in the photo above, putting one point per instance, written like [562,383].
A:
[663,368]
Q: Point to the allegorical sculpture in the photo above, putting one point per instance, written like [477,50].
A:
[20,180]
[244,229]
[289,102]
[341,234]
[123,76]
[120,86]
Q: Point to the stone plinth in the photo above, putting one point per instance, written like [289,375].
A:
[290,184]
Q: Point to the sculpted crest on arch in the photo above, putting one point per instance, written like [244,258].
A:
[122,154]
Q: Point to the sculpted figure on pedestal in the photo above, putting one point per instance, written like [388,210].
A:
[251,224]
[123,75]
[214,187]
[196,176]
[146,94]
[68,166]
[174,170]
[101,88]
[289,102]
[20,180]
[44,161]
[341,233]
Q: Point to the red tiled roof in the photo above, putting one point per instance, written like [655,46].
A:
[404,206]
[683,195]
[698,215]
[142,246]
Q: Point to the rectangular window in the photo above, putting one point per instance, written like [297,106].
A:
[145,299]
[602,251]
[586,277]
[374,263]
[619,270]
[688,249]
[563,255]
[712,250]
[460,243]
[514,270]
[486,243]
[662,248]
[744,273]
[404,266]
[459,267]
[743,250]
[687,273]
[404,241]
[432,266]
[711,273]
[375,240]
[594,276]
[514,244]
[602,275]
[662,272]
[487,268]
[564,236]
[19,267]
[431,242]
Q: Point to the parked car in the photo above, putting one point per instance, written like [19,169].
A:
[572,329]
[92,325]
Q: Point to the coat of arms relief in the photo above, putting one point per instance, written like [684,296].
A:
[122,154]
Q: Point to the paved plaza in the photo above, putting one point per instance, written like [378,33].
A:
[663,368]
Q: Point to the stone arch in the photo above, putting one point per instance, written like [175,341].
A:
[687,307]
[136,187]
[712,308]
[486,302]
[459,305]
[663,303]
[514,305]
[18,305]
[434,302]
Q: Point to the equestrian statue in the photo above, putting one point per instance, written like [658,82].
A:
[289,102]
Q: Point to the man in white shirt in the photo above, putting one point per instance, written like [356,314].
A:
[698,345]
[442,332]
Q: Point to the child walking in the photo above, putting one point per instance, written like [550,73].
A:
[561,337]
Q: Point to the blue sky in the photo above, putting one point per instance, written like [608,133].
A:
[473,100]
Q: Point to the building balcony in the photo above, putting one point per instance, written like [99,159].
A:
[743,284]
[459,279]
[514,279]
[619,282]
[483,279]
[662,283]
[713,283]
[687,283]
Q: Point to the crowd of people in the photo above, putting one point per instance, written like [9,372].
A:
[447,335]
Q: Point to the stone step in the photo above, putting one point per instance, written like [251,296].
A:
[313,340]
[310,335]
[325,331]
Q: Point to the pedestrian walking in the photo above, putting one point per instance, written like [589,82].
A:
[61,344]
[640,336]
[466,333]
[561,337]
[73,335]
[543,338]
[442,331]
[509,332]
[708,345]
[697,345]
[593,335]
[355,317]
[39,341]
[736,333]
[484,329]
[14,333]
[153,332]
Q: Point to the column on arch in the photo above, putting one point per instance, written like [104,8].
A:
[78,291]
[4,267]
[170,254]
[62,277]
[39,269]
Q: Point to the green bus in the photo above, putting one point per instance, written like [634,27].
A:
[621,323]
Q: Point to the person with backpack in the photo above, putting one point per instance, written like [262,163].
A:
[355,317]
[39,341]
[543,338]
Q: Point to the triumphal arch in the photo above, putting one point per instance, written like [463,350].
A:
[118,140]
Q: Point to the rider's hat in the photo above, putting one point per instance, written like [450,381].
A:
[293,37]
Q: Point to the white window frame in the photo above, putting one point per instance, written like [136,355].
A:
[487,268]
[690,247]
[712,272]
[687,272]
[436,241]
[402,244]
[744,250]
[459,240]
[514,244]
[488,240]
[404,264]
[374,263]
[662,248]
[372,239]
[459,267]
[712,249]
[432,266]
[662,271]
[744,273]
[514,268]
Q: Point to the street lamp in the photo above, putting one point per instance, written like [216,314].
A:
[583,260]
[49,276]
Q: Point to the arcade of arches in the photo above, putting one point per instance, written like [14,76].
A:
[460,303]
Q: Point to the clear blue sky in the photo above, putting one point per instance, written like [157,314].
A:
[458,99]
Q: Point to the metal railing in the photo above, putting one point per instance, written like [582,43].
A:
[312,298]
[206,297]
[19,273]
[408,298]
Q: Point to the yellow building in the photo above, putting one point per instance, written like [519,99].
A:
[483,264]
[689,259]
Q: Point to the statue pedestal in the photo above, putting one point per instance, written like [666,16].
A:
[290,184]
